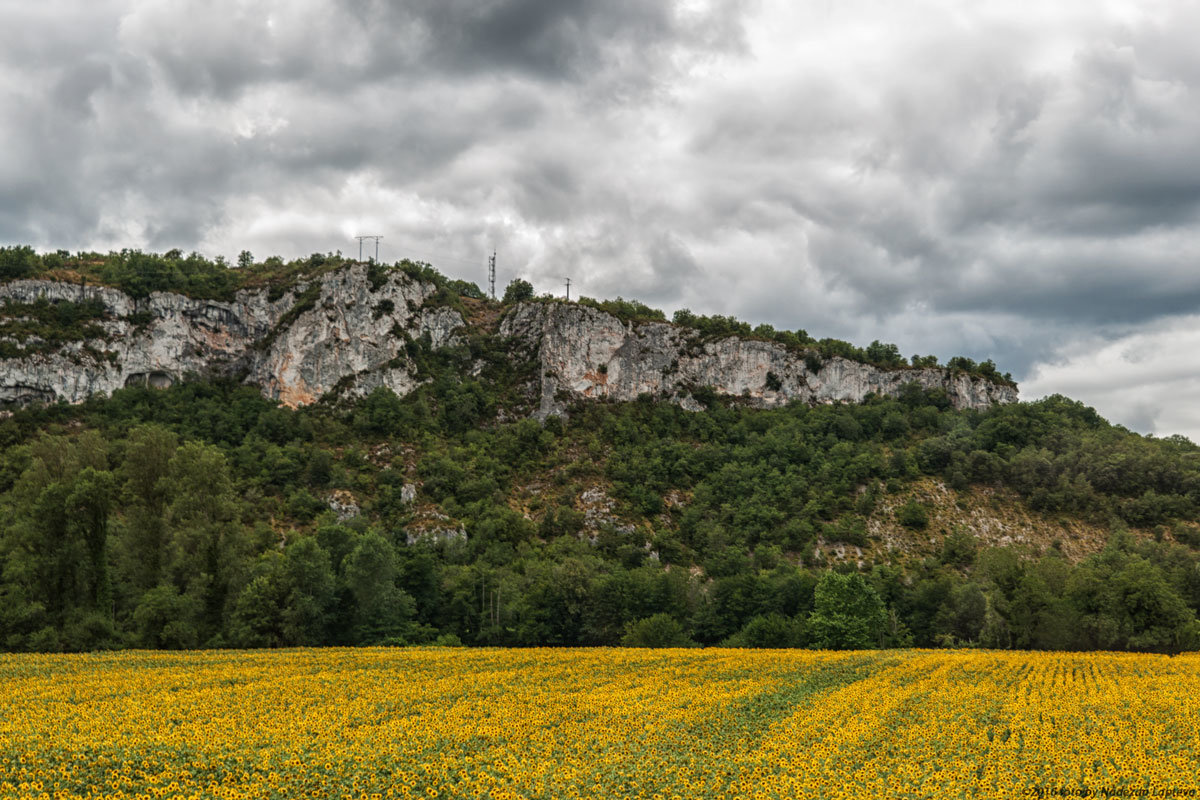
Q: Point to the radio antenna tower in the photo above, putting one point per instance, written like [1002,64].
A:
[492,274]
[568,280]
[360,244]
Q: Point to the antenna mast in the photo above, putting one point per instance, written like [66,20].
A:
[360,244]
[492,274]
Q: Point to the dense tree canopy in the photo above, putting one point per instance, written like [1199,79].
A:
[199,516]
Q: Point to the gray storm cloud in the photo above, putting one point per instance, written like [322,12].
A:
[984,180]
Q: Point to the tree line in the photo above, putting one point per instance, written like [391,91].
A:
[199,516]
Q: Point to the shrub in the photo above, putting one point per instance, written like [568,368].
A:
[771,630]
[913,515]
[659,630]
[959,548]
[518,290]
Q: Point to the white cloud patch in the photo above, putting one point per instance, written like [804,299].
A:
[1147,380]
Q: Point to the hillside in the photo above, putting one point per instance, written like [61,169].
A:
[328,452]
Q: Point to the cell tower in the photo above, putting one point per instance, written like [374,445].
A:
[492,274]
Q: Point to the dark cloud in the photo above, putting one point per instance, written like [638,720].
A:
[549,39]
[227,47]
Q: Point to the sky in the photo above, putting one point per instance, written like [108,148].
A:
[998,180]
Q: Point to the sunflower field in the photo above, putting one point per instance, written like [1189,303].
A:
[555,723]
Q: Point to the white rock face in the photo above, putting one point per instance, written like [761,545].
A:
[352,334]
[182,336]
[584,352]
[343,505]
[340,333]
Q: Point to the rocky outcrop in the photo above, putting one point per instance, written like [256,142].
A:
[336,331]
[162,337]
[587,353]
[353,334]
[346,332]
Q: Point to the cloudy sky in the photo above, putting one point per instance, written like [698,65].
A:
[959,178]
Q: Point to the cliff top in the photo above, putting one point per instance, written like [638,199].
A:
[138,274]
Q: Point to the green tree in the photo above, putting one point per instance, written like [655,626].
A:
[19,261]
[148,453]
[89,505]
[58,536]
[165,618]
[847,613]
[382,413]
[517,291]
[1040,614]
[962,617]
[771,630]
[1125,603]
[913,514]
[958,548]
[884,354]
[383,611]
[557,595]
[657,630]
[204,538]
[310,587]
[256,619]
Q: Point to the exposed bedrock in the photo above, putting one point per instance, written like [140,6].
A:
[585,353]
[337,329]
[344,333]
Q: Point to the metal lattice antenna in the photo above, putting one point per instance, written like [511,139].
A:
[492,274]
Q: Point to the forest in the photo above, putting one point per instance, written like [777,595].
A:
[196,516]
[204,515]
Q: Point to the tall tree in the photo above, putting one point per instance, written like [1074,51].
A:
[383,610]
[847,613]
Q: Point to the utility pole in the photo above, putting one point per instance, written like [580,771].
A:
[360,244]
[568,280]
[492,274]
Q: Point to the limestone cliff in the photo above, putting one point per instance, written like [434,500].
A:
[354,333]
[585,353]
[347,331]
[338,330]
